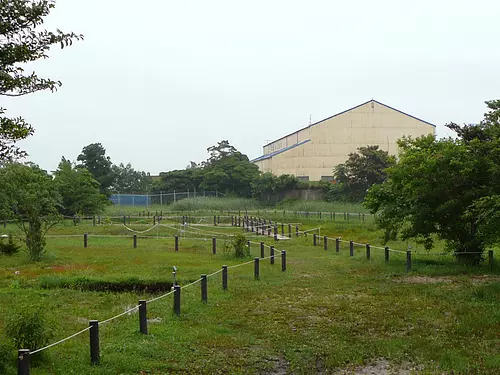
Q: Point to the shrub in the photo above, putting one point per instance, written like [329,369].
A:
[239,243]
[28,329]
[8,247]
[6,357]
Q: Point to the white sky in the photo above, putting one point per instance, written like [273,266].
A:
[159,81]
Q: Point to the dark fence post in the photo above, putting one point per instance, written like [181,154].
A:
[262,255]
[135,241]
[490,258]
[325,242]
[408,260]
[224,277]
[99,220]
[214,245]
[290,230]
[143,317]
[94,342]
[23,362]
[283,260]
[85,240]
[351,248]
[218,219]
[204,288]
[314,239]
[272,255]
[215,220]
[296,230]
[386,251]
[337,244]
[256,268]
[177,300]
[276,232]
[74,220]
[154,220]
[282,229]
[124,220]
[239,221]
[368,251]
[176,243]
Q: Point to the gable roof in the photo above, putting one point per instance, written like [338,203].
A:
[263,157]
[350,109]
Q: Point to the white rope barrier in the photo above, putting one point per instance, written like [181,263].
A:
[60,341]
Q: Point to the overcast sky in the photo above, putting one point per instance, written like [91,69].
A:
[159,81]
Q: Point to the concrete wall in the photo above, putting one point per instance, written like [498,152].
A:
[332,139]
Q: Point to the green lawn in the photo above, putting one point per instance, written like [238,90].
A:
[327,312]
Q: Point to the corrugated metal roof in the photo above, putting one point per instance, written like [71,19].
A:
[268,156]
[350,109]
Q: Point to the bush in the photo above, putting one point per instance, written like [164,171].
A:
[6,356]
[28,329]
[9,247]
[240,246]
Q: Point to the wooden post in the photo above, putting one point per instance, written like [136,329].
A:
[23,362]
[408,260]
[143,317]
[177,300]
[94,342]
[224,277]
[256,268]
[135,241]
[386,251]
[325,242]
[337,244]
[368,255]
[296,230]
[204,288]
[290,230]
[85,240]
[262,255]
[272,255]
[214,245]
[351,248]
[314,239]
[283,260]
[215,220]
[282,229]
[176,243]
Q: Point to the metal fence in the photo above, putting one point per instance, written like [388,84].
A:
[163,198]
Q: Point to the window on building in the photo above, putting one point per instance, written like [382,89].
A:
[303,178]
[327,178]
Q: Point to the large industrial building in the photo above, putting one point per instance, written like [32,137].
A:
[312,153]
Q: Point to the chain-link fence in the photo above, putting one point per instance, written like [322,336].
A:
[163,198]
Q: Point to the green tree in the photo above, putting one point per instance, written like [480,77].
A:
[78,189]
[232,173]
[128,180]
[28,195]
[444,187]
[361,170]
[270,188]
[94,159]
[179,180]
[22,42]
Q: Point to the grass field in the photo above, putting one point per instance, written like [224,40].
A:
[209,204]
[328,313]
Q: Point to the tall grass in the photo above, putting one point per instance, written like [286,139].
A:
[321,206]
[213,204]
